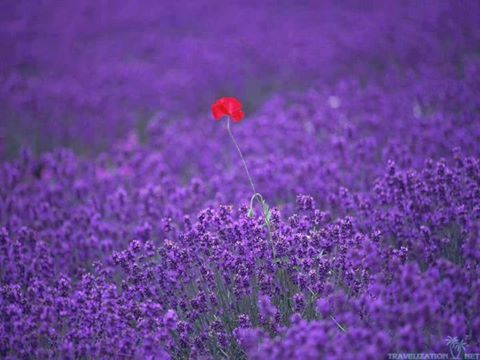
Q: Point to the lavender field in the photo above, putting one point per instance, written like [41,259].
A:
[131,229]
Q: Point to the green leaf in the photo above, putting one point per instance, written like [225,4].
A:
[265,207]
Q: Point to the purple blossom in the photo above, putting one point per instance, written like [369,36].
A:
[124,213]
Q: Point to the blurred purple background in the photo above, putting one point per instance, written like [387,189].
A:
[81,73]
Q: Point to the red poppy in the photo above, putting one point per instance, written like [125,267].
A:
[228,106]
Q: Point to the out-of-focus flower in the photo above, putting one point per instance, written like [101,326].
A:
[228,106]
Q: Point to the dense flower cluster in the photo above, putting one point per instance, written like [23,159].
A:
[395,269]
[148,250]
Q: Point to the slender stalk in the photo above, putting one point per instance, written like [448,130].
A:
[257,196]
[241,156]
[336,322]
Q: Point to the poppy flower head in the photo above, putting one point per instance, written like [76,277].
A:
[228,106]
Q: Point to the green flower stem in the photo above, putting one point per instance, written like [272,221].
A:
[256,196]
[241,155]
[337,323]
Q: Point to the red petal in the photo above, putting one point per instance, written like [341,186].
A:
[238,115]
[218,111]
[228,106]
[231,104]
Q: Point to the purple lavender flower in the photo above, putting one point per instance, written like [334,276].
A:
[124,221]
